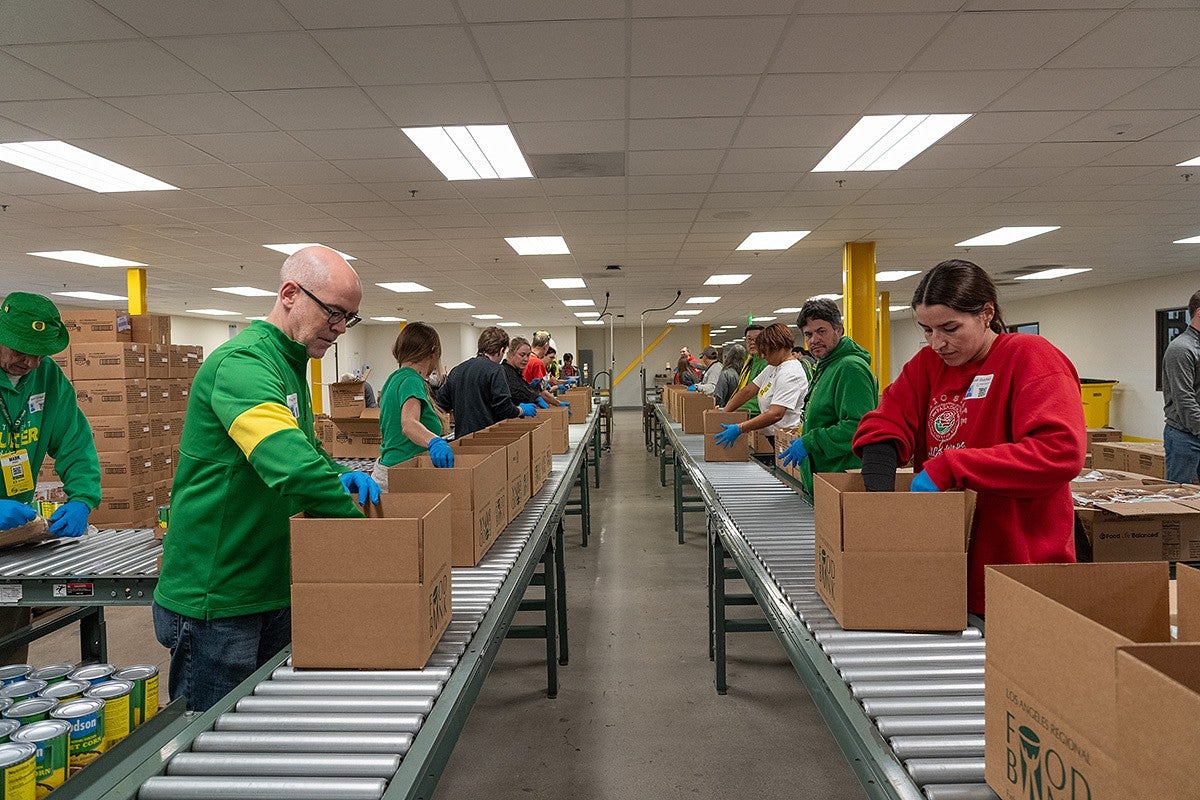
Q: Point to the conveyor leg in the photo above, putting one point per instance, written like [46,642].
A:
[585,502]
[711,535]
[560,567]
[93,642]
[678,478]
[662,465]
[596,450]
[718,608]
[551,621]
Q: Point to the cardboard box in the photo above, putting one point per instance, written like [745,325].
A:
[159,396]
[158,361]
[181,390]
[692,408]
[347,400]
[476,484]
[36,530]
[875,548]
[517,457]
[1095,435]
[121,434]
[353,438]
[560,435]
[580,399]
[163,463]
[1051,691]
[760,443]
[541,446]
[184,360]
[783,440]
[132,507]
[713,419]
[150,328]
[98,361]
[1092,479]
[112,398]
[1109,455]
[126,470]
[87,325]
[63,360]
[372,593]
[1167,530]
[1147,458]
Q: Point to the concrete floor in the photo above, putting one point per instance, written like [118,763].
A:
[636,714]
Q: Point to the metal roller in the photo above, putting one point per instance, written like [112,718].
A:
[295,765]
[945,770]
[960,791]
[968,659]
[379,688]
[375,723]
[906,638]
[930,725]
[296,704]
[203,788]
[440,674]
[900,706]
[916,688]
[907,673]
[901,648]
[294,742]
[930,746]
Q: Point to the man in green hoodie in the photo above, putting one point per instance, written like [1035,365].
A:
[40,416]
[843,388]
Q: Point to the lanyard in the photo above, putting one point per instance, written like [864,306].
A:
[14,426]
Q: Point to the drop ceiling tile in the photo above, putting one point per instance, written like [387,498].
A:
[772,159]
[1184,132]
[923,178]
[287,173]
[703,46]
[348,212]
[528,10]
[332,193]
[12,132]
[198,176]
[1068,154]
[669,184]
[578,186]
[939,92]
[1072,89]
[881,42]
[387,142]
[710,8]
[587,203]
[286,212]
[691,96]
[23,82]
[142,152]
[1137,38]
[601,136]
[1156,152]
[959,156]
[235,147]
[816,94]
[242,196]
[1006,39]
[679,134]
[545,50]
[558,100]
[792,131]
[63,21]
[1011,127]
[73,119]
[442,104]
[393,56]
[285,60]
[673,162]
[313,14]
[208,112]
[778,181]
[374,170]
[646,201]
[198,17]
[1179,88]
[1121,126]
[315,109]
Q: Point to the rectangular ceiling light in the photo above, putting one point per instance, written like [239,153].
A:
[564,283]
[214,312]
[91,295]
[894,309]
[788,310]
[244,291]
[1191,162]
[678,321]
[509,324]
[728,280]
[887,142]
[704,300]
[455,306]
[826,297]
[689,312]
[1007,235]
[1189,240]
[67,162]
[389,319]
[84,257]
[486,316]
[404,287]
[582,314]
[539,246]
[593,322]
[1051,274]
[256,319]
[471,152]
[771,240]
[577,303]
[288,249]
[895,275]
[764,319]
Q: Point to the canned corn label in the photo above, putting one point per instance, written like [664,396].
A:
[86,718]
[19,778]
[116,715]
[143,700]
[52,742]
[164,516]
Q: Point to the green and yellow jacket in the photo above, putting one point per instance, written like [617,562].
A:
[43,418]
[843,388]
[248,460]
[750,369]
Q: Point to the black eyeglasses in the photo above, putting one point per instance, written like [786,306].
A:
[335,316]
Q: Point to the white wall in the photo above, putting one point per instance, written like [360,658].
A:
[1107,332]
[627,343]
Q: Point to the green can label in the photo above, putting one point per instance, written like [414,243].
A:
[86,718]
[19,780]
[52,742]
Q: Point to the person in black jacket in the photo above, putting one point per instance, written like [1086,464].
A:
[477,391]
[519,351]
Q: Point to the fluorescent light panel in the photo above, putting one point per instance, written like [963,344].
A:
[726,280]
[703,300]
[66,162]
[1191,162]
[455,306]
[471,152]
[593,322]
[538,245]
[895,275]
[404,287]
[577,303]
[244,291]
[887,142]
[689,312]
[509,324]
[583,314]
[1007,235]
[389,319]
[771,240]
[894,309]
[1189,240]
[288,249]
[91,295]
[1051,274]
[826,297]
[678,321]
[764,319]
[564,283]
[88,258]
[487,316]
[788,310]
[214,312]
[256,319]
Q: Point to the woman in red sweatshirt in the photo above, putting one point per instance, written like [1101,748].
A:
[981,409]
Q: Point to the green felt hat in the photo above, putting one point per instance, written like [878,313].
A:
[30,324]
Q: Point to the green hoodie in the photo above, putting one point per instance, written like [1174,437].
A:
[750,369]
[47,421]
[843,388]
[248,460]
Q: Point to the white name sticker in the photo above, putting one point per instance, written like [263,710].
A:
[37,402]
[293,402]
[10,593]
[979,387]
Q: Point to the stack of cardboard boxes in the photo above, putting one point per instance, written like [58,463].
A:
[351,430]
[132,385]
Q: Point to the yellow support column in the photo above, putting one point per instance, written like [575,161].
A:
[318,402]
[135,282]
[858,292]
[883,366]
[705,336]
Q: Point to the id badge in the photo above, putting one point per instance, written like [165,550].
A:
[18,477]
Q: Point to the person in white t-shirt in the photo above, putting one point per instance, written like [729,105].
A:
[781,388]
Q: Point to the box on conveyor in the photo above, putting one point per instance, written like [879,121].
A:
[121,434]
[150,328]
[760,443]
[128,507]
[783,440]
[891,561]
[125,470]
[1141,523]
[353,438]
[560,440]
[477,488]
[518,458]
[111,398]
[713,420]
[347,400]
[692,406]
[580,399]
[372,593]
[541,445]
[1052,724]
[88,325]
[96,361]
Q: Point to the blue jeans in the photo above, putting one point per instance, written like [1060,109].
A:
[1183,455]
[211,657]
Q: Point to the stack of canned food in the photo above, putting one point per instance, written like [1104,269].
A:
[56,720]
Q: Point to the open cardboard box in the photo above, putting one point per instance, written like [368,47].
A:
[692,406]
[541,446]
[517,455]
[372,593]
[712,421]
[1146,531]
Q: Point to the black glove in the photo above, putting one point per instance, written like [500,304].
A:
[879,466]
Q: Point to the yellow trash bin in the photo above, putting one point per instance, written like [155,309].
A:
[1097,394]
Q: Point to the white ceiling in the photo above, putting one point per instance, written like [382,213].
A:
[280,121]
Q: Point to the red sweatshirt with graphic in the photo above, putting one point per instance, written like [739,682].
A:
[1008,426]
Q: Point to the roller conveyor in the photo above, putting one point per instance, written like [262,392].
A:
[924,690]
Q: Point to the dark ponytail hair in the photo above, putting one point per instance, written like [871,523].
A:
[962,286]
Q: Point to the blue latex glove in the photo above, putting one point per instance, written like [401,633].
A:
[567,406]
[528,409]
[440,453]
[795,454]
[728,435]
[541,402]
[535,383]
[693,388]
[71,519]
[363,484]
[14,514]
[923,483]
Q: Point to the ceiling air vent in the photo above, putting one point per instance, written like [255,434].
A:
[578,165]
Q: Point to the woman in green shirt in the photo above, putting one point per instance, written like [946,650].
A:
[407,419]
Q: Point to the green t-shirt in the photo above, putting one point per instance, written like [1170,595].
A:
[402,385]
